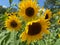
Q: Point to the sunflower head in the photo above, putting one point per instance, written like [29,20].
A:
[59,35]
[13,23]
[58,21]
[34,30]
[48,14]
[28,9]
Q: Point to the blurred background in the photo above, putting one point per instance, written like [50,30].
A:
[54,5]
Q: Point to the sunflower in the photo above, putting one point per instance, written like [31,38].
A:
[28,9]
[47,14]
[13,23]
[12,13]
[34,30]
[58,21]
[59,35]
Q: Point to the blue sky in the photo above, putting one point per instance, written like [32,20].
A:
[6,2]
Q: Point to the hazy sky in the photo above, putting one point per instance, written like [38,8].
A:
[6,2]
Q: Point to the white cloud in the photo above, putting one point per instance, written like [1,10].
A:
[4,6]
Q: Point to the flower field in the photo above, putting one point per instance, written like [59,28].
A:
[29,24]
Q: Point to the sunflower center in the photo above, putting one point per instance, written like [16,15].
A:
[34,29]
[29,11]
[46,17]
[13,24]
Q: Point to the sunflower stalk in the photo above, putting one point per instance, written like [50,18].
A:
[13,36]
[46,42]
[10,1]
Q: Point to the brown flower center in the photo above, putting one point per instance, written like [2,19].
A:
[29,11]
[34,29]
[13,24]
[46,17]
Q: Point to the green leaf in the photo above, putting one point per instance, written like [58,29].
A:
[41,42]
[57,42]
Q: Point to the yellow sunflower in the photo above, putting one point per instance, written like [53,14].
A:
[59,12]
[28,9]
[58,21]
[34,30]
[47,14]
[12,13]
[13,23]
[59,35]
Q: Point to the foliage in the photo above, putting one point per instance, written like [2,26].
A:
[12,38]
[54,5]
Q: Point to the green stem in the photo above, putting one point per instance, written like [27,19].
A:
[13,37]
